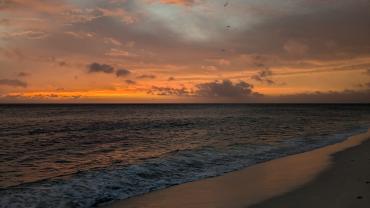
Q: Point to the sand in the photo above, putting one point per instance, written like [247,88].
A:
[333,176]
[345,184]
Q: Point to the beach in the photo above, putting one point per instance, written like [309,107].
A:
[184,103]
[337,175]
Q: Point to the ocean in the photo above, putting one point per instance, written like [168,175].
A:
[84,155]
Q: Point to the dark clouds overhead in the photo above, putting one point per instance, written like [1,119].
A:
[321,30]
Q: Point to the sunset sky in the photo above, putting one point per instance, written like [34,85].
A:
[129,51]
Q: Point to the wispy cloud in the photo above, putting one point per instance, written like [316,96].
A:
[263,76]
[29,34]
[146,76]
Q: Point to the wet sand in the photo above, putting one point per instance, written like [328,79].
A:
[345,185]
[333,176]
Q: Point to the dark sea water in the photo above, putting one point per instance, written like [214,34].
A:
[84,155]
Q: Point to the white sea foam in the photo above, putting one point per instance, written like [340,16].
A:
[90,188]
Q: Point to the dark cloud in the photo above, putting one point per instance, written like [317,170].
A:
[13,83]
[146,76]
[368,72]
[171,78]
[263,76]
[226,89]
[104,68]
[130,82]
[220,91]
[122,72]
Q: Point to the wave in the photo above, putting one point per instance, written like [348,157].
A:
[90,188]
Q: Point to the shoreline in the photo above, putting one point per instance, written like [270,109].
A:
[261,185]
[345,184]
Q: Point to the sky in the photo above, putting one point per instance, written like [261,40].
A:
[184,51]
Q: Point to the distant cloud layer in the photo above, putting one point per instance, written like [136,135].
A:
[226,91]
[13,83]
[216,89]
[225,88]
[345,96]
